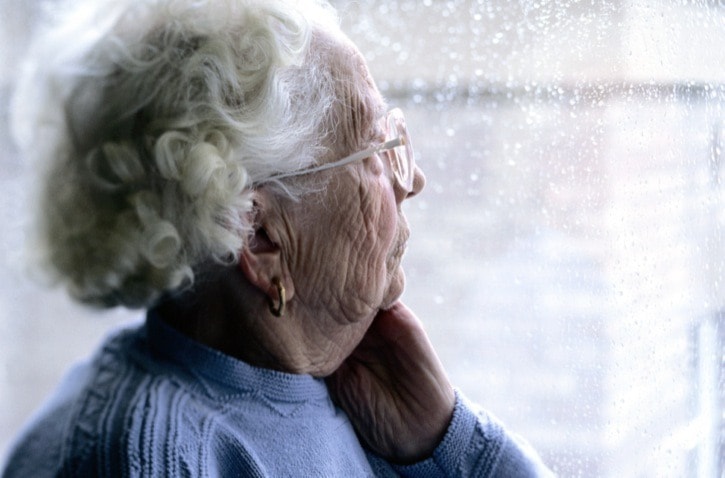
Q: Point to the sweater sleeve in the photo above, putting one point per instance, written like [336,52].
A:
[476,445]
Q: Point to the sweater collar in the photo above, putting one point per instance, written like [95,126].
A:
[227,374]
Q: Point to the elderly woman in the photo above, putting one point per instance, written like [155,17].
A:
[231,167]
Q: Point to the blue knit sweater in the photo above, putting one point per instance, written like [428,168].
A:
[153,402]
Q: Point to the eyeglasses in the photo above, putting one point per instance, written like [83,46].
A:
[396,148]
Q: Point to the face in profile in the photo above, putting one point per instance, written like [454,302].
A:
[350,239]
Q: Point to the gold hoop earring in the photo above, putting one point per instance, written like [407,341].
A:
[278,311]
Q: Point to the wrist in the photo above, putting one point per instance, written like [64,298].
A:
[428,437]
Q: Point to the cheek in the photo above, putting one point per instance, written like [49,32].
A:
[370,238]
[386,238]
[339,250]
[372,244]
[347,253]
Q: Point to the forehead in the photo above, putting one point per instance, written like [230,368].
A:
[373,100]
[360,104]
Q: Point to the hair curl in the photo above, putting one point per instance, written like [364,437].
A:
[154,119]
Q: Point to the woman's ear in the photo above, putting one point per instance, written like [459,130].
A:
[262,259]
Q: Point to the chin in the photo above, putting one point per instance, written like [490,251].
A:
[395,290]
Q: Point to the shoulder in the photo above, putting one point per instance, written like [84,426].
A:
[131,412]
[109,416]
[138,415]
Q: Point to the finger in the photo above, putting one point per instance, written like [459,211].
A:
[395,323]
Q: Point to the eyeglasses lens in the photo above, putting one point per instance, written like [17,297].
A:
[401,157]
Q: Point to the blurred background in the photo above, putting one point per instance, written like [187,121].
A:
[568,253]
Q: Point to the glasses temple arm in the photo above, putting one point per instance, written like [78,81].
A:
[390,144]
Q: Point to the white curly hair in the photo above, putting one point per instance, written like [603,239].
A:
[154,120]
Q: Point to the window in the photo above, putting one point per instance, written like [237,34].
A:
[709,395]
[568,253]
[570,236]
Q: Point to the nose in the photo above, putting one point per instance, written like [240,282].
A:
[418,182]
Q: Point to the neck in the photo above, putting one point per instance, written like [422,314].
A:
[226,313]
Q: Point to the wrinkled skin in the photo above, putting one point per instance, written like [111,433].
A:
[392,385]
[394,388]
[345,264]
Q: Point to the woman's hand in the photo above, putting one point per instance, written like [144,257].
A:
[394,389]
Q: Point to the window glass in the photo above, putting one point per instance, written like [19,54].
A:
[567,255]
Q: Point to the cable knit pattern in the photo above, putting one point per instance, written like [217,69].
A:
[152,402]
